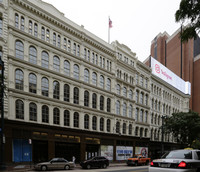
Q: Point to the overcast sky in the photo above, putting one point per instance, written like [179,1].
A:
[135,22]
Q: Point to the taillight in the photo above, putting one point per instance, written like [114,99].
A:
[182,164]
[151,163]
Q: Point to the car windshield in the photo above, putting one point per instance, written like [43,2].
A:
[180,154]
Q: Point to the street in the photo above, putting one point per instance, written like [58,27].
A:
[115,168]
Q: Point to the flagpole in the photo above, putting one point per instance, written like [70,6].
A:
[108,30]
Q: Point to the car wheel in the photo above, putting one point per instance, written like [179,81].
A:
[67,167]
[147,163]
[88,166]
[104,166]
[136,163]
[43,168]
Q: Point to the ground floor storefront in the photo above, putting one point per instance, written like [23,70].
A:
[36,143]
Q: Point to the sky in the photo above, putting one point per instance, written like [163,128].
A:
[135,22]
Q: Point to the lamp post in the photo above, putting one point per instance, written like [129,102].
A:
[2,113]
[162,145]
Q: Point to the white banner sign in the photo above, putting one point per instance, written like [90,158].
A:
[142,150]
[107,151]
[168,76]
[124,152]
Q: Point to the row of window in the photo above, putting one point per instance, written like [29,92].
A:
[141,98]
[126,59]
[19,84]
[65,43]
[104,124]
[19,51]
[124,91]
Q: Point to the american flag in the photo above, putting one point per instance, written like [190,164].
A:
[110,23]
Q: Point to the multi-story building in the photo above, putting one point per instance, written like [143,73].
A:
[69,93]
[180,57]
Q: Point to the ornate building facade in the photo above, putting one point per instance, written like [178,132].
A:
[68,92]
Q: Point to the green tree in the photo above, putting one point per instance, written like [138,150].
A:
[184,125]
[189,13]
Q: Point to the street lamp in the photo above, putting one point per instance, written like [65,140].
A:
[2,112]
[162,145]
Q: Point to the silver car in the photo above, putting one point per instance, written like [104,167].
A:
[54,164]
[177,161]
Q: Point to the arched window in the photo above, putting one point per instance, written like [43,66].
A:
[118,89]
[101,124]
[130,111]
[117,127]
[32,55]
[76,119]
[94,123]
[78,50]
[19,107]
[66,118]
[146,117]
[32,83]
[86,121]
[45,59]
[42,33]
[69,46]
[136,114]
[76,71]
[33,112]
[108,125]
[16,20]
[54,38]
[124,92]
[141,132]
[124,128]
[56,90]
[19,79]
[136,131]
[137,96]
[101,103]
[94,101]
[30,27]
[141,116]
[86,98]
[145,132]
[130,128]
[45,87]
[86,75]
[130,94]
[124,109]
[19,49]
[35,30]
[59,41]
[56,116]
[22,23]
[66,92]
[108,84]
[56,63]
[108,104]
[45,114]
[47,35]
[76,95]
[94,78]
[118,107]
[74,49]
[101,83]
[67,68]
[141,98]
[88,55]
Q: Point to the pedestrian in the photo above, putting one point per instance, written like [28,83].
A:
[73,160]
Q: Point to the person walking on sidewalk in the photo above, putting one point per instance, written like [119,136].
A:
[73,160]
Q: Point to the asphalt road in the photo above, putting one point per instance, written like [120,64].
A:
[114,169]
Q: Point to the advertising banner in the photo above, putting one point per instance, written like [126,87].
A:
[168,76]
[142,150]
[124,152]
[107,151]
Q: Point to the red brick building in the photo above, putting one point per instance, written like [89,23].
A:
[181,58]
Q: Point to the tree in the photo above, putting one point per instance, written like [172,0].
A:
[189,12]
[184,125]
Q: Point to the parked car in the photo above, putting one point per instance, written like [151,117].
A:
[100,162]
[138,160]
[54,164]
[184,160]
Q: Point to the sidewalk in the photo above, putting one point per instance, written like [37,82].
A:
[25,168]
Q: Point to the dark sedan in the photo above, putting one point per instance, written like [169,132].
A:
[100,162]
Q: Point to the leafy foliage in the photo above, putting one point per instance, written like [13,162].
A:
[184,126]
[189,12]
